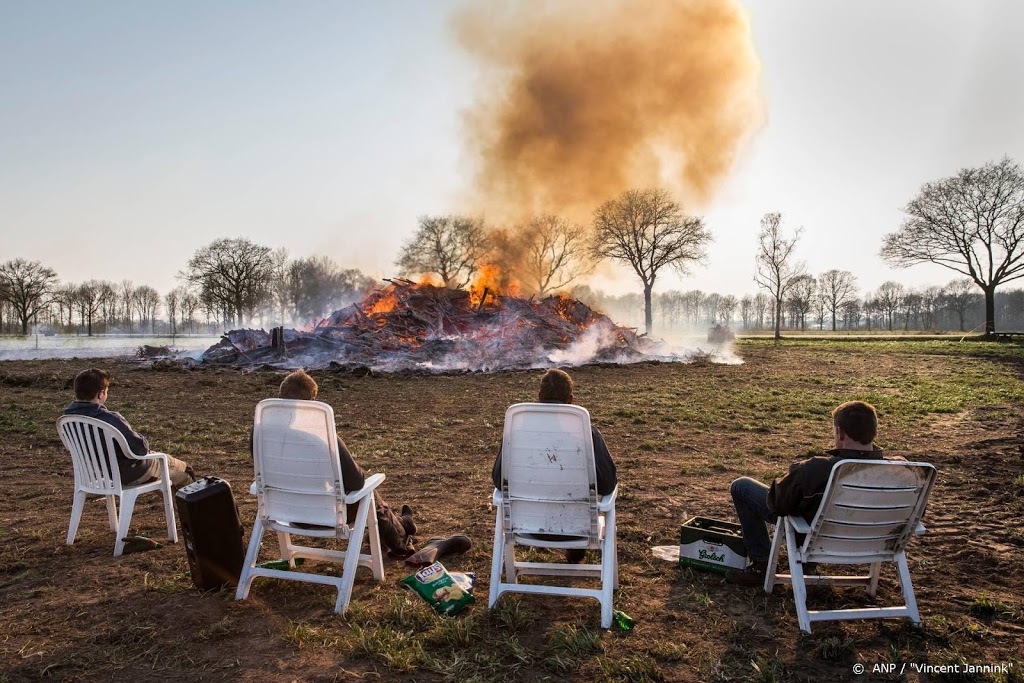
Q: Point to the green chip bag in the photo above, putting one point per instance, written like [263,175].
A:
[445,594]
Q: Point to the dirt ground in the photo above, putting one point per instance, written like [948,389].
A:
[678,433]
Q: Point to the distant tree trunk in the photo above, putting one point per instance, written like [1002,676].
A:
[778,317]
[648,313]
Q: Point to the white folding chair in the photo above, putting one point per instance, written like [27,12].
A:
[91,444]
[549,487]
[869,512]
[299,491]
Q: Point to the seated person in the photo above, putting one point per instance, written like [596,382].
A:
[854,426]
[396,531]
[92,387]
[556,386]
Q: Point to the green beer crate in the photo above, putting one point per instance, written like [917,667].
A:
[711,544]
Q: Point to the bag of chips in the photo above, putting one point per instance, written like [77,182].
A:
[445,592]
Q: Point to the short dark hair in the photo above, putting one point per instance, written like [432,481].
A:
[555,385]
[89,383]
[299,386]
[858,420]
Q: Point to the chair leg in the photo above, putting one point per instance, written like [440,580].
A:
[355,542]
[245,580]
[608,570]
[876,571]
[165,491]
[76,515]
[497,555]
[796,570]
[284,543]
[773,557]
[376,555]
[112,512]
[124,520]
[907,587]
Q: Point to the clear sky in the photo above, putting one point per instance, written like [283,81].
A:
[132,134]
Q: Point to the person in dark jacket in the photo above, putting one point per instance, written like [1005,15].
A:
[556,386]
[396,530]
[92,388]
[854,426]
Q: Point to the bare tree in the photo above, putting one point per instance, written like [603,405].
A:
[776,268]
[648,230]
[555,254]
[233,275]
[126,292]
[147,300]
[837,287]
[801,297]
[972,223]
[451,246]
[746,310]
[958,296]
[726,308]
[316,286]
[889,298]
[89,295]
[172,304]
[28,287]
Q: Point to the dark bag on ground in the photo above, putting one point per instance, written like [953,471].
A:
[212,533]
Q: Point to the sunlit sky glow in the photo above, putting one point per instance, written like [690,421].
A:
[132,134]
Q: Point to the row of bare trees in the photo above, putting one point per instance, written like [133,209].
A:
[228,282]
[644,229]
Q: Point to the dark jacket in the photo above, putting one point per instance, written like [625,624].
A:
[800,491]
[131,470]
[606,477]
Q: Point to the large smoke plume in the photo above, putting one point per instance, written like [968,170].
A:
[582,100]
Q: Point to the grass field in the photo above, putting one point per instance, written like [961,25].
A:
[678,433]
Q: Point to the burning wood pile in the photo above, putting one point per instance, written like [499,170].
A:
[409,326]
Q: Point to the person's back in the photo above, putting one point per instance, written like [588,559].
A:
[92,387]
[396,530]
[799,492]
[556,386]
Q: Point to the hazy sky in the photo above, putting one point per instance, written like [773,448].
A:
[132,134]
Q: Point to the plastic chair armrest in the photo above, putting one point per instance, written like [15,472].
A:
[149,456]
[496,497]
[920,529]
[799,524]
[372,482]
[606,503]
[252,489]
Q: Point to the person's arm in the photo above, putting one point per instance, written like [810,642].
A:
[786,494]
[136,442]
[607,477]
[352,475]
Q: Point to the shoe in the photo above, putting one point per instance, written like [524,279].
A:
[575,555]
[753,575]
[407,523]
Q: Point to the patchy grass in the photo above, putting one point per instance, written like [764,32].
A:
[678,433]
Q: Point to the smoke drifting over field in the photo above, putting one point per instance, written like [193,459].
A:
[582,100]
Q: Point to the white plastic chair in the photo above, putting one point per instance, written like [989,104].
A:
[89,441]
[299,491]
[869,512]
[549,486]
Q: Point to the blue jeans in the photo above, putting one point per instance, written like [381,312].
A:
[751,500]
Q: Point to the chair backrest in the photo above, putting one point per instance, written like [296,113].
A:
[91,444]
[549,482]
[869,510]
[295,458]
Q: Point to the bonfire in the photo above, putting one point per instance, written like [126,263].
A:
[410,326]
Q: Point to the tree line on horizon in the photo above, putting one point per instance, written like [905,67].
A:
[971,223]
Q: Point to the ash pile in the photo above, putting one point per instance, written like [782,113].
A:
[409,326]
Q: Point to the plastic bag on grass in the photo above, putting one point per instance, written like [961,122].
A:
[448,593]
